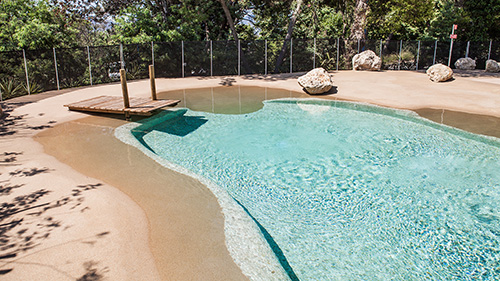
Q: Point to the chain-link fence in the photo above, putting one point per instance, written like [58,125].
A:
[26,72]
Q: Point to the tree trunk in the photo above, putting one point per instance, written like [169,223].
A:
[359,20]
[229,19]
[291,25]
[235,35]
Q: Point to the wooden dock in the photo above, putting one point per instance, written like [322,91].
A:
[108,104]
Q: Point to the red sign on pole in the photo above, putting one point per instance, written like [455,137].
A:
[453,36]
[455,26]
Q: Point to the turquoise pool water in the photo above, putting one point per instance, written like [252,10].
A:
[345,191]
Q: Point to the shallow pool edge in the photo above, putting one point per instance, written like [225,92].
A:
[244,240]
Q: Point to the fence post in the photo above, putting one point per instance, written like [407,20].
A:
[338,53]
[489,50]
[182,59]
[358,46]
[314,54]
[152,53]
[122,60]
[239,58]
[55,66]
[399,58]
[435,50]
[381,49]
[1,98]
[211,60]
[265,57]
[90,65]
[26,71]
[467,50]
[291,55]
[418,54]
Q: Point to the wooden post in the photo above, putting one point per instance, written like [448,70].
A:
[126,102]
[152,82]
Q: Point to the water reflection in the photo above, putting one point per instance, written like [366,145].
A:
[228,100]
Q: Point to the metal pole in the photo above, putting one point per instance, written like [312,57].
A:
[152,53]
[239,58]
[26,71]
[1,98]
[451,45]
[182,60]
[338,53]
[435,51]
[358,46]
[55,66]
[291,54]
[265,58]
[380,49]
[467,50]
[90,65]
[211,60]
[399,58]
[122,61]
[489,50]
[314,54]
[418,55]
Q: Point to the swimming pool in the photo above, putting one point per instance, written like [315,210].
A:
[345,191]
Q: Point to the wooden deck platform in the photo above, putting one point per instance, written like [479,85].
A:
[107,104]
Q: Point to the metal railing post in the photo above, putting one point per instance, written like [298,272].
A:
[152,53]
[182,58]
[55,66]
[338,53]
[291,55]
[239,57]
[400,51]
[90,65]
[435,51]
[314,54]
[26,71]
[265,57]
[211,60]
[1,98]
[381,49]
[418,55]
[467,50]
[122,60]
[489,50]
[358,46]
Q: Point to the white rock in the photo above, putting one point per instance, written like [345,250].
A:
[492,66]
[465,64]
[366,60]
[316,81]
[439,73]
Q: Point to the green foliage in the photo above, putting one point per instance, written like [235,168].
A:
[10,88]
[398,19]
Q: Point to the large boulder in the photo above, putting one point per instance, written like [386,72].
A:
[366,60]
[465,64]
[492,66]
[439,73]
[316,81]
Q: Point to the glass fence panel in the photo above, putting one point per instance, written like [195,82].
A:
[41,70]
[73,67]
[196,58]
[253,57]
[106,64]
[326,54]
[225,57]
[168,59]
[302,55]
[137,59]
[426,57]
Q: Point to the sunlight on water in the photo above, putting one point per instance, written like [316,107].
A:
[347,191]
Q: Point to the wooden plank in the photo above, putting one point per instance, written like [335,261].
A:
[107,104]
